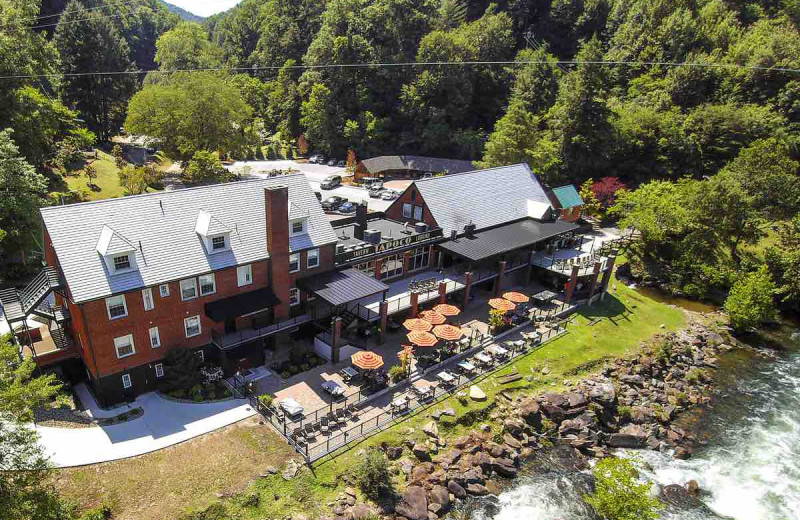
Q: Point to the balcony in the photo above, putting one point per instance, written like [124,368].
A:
[240,337]
[563,260]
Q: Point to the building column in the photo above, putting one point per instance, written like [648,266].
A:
[383,310]
[607,274]
[414,304]
[528,271]
[593,283]
[573,281]
[431,256]
[442,292]
[406,262]
[467,288]
[498,283]
[336,339]
[378,267]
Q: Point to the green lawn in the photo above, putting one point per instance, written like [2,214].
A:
[106,185]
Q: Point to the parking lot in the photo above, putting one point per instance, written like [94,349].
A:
[316,173]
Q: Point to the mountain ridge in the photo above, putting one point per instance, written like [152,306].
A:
[183,13]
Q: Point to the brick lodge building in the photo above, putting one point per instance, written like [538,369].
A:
[243,273]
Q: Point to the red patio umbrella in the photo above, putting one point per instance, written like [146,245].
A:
[422,338]
[432,317]
[366,360]
[445,309]
[501,304]
[516,297]
[417,324]
[448,332]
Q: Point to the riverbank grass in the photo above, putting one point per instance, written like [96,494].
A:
[191,475]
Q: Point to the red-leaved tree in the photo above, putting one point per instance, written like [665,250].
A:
[606,190]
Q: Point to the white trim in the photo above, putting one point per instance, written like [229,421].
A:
[126,381]
[294,290]
[199,326]
[308,258]
[291,256]
[244,275]
[410,208]
[128,343]
[147,296]
[163,290]
[213,284]
[157,337]
[109,305]
[194,286]
[159,367]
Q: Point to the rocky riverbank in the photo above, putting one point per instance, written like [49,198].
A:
[629,403]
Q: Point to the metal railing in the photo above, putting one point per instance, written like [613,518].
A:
[233,339]
[403,301]
[38,288]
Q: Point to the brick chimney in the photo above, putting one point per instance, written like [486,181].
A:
[276,202]
[361,221]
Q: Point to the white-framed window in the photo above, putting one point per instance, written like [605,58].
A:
[294,296]
[155,337]
[294,262]
[116,306]
[208,284]
[124,346]
[147,298]
[192,326]
[298,227]
[159,369]
[122,262]
[188,289]
[417,212]
[408,210]
[218,243]
[312,258]
[244,275]
[163,290]
[201,355]
[392,266]
[420,258]
[126,381]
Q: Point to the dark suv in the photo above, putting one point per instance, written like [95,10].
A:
[332,203]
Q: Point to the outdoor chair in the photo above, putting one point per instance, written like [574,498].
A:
[298,433]
[354,411]
[334,422]
[309,430]
[340,416]
[323,426]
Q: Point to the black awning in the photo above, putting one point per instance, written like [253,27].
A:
[503,239]
[241,304]
[340,287]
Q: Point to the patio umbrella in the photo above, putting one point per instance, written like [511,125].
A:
[366,360]
[422,338]
[516,297]
[445,309]
[501,304]
[448,332]
[417,324]
[432,317]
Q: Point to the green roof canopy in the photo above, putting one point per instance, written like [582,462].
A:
[568,197]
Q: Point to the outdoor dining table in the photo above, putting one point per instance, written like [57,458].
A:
[483,358]
[348,373]
[467,366]
[498,351]
[422,389]
[399,402]
[333,388]
[446,377]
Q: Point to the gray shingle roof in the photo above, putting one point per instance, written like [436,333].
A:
[484,197]
[170,247]
[417,163]
[340,287]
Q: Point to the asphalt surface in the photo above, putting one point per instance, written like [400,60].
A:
[315,173]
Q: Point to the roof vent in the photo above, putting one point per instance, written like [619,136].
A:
[469,229]
[406,229]
[372,236]
[420,227]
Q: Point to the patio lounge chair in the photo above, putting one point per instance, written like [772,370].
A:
[310,431]
[340,417]
[298,433]
[323,426]
[334,422]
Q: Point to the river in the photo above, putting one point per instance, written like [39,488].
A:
[747,462]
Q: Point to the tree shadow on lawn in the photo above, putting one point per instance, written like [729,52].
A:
[612,308]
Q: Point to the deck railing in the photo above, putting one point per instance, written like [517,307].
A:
[233,339]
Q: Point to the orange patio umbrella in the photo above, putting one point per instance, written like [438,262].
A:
[417,324]
[501,304]
[432,317]
[422,338]
[448,332]
[516,297]
[445,309]
[366,360]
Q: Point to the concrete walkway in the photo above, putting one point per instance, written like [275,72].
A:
[163,424]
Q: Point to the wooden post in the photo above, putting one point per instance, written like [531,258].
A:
[593,283]
[336,339]
[467,288]
[442,292]
[573,281]
[498,283]
[414,296]
[384,313]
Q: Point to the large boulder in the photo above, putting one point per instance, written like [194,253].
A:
[513,427]
[439,495]
[604,394]
[641,414]
[553,412]
[530,412]
[414,504]
[577,400]
[456,489]
[421,451]
[431,429]
[631,436]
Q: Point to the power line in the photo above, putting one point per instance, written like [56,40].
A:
[411,64]
[85,9]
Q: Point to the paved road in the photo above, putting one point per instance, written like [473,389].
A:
[315,173]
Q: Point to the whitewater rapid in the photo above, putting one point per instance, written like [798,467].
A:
[748,465]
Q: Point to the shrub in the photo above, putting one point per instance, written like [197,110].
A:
[396,373]
[372,474]
[624,412]
[694,375]
[181,371]
[304,367]
[285,374]
[751,301]
[266,400]
[619,494]
[294,370]
[101,512]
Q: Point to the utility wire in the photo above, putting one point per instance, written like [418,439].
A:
[409,64]
[85,9]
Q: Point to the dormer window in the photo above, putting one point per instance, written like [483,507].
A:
[218,243]
[122,262]
[298,227]
[119,253]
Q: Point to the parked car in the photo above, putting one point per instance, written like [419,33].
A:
[389,195]
[341,164]
[330,182]
[319,195]
[426,175]
[313,159]
[376,191]
[347,207]
[317,159]
[332,162]
[333,203]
